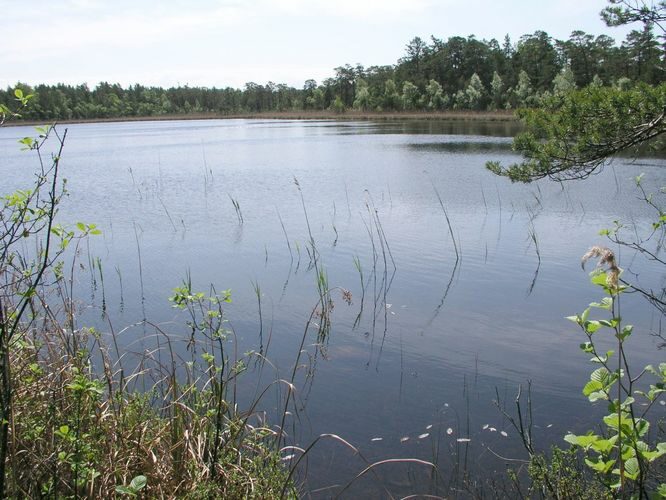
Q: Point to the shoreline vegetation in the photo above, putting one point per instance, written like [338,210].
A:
[80,418]
[457,78]
[352,115]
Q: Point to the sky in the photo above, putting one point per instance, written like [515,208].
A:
[220,43]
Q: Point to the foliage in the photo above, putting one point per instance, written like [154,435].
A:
[80,433]
[73,423]
[537,56]
[561,476]
[475,93]
[524,93]
[527,69]
[27,214]
[410,96]
[622,454]
[362,100]
[625,12]
[496,92]
[574,134]
[564,82]
[435,97]
[338,106]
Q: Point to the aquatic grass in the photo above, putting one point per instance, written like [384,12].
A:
[456,264]
[448,223]
[347,198]
[325,301]
[286,236]
[134,184]
[483,198]
[166,211]
[82,427]
[335,230]
[237,209]
[534,240]
[140,264]
[359,269]
[98,264]
[257,293]
[120,287]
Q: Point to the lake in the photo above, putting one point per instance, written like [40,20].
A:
[437,326]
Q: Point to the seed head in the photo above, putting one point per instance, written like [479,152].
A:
[606,258]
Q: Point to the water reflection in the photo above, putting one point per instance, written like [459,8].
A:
[433,327]
[462,147]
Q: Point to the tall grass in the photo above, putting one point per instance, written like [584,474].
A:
[85,431]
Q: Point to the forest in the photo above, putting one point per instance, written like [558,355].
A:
[152,383]
[459,73]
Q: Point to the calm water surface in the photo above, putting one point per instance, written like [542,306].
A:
[438,336]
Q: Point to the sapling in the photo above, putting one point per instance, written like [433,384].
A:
[622,454]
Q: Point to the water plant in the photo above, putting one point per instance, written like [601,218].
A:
[237,209]
[72,422]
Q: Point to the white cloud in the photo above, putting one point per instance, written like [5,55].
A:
[230,42]
[356,10]
[57,33]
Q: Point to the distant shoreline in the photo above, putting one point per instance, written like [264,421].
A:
[487,116]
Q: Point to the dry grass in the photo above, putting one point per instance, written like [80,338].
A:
[79,432]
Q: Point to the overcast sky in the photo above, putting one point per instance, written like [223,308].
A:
[219,43]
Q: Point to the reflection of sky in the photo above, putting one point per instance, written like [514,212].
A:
[490,328]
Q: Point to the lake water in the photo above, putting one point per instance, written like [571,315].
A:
[438,337]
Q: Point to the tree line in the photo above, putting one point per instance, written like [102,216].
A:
[457,73]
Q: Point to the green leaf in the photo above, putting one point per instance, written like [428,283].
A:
[628,402]
[602,359]
[601,375]
[632,468]
[602,446]
[582,441]
[642,426]
[587,347]
[138,483]
[612,420]
[606,303]
[626,331]
[591,326]
[592,386]
[598,278]
[596,396]
[662,490]
[651,456]
[600,466]
[28,142]
[612,323]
